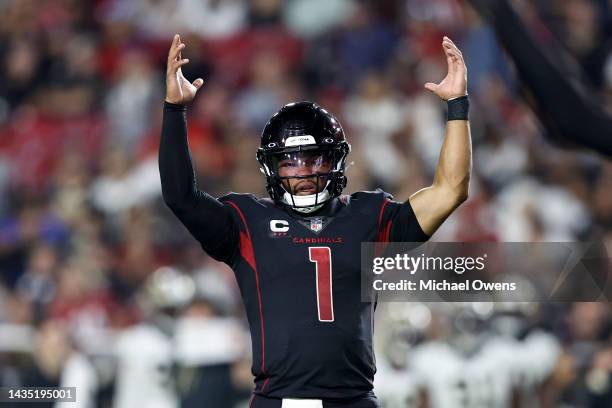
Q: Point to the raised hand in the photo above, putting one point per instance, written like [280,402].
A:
[178,89]
[455,82]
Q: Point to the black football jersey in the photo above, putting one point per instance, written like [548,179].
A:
[299,277]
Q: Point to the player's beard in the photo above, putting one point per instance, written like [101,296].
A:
[302,187]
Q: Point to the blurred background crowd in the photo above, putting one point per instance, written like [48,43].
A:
[103,289]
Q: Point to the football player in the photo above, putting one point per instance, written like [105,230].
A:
[296,255]
[145,351]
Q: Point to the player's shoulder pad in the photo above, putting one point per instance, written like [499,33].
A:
[377,194]
[245,199]
[231,196]
[366,201]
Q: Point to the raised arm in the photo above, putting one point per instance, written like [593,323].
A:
[208,220]
[432,205]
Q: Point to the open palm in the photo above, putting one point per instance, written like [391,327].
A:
[455,82]
[178,89]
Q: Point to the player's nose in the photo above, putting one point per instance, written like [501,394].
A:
[304,170]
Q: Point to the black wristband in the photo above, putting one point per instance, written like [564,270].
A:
[174,107]
[458,108]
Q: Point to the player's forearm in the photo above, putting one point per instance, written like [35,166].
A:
[175,167]
[455,162]
[433,204]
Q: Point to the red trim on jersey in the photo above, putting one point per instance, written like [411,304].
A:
[382,209]
[384,234]
[251,400]
[246,250]
[387,234]
[263,387]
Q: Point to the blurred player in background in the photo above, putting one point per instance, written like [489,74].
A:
[145,352]
[181,353]
[467,355]
[296,256]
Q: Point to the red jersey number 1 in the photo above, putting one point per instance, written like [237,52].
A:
[321,256]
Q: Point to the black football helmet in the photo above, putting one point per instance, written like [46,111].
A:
[299,132]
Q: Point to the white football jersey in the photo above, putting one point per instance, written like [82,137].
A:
[451,379]
[395,388]
[145,361]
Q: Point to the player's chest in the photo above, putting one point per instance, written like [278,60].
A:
[285,243]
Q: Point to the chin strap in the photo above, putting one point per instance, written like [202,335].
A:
[307,210]
[306,203]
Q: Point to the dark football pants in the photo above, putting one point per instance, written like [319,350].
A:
[367,401]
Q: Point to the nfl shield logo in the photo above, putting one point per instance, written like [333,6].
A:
[316,224]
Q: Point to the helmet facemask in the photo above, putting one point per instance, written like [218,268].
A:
[304,178]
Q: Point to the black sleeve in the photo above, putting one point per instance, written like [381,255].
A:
[404,227]
[568,112]
[397,221]
[206,218]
